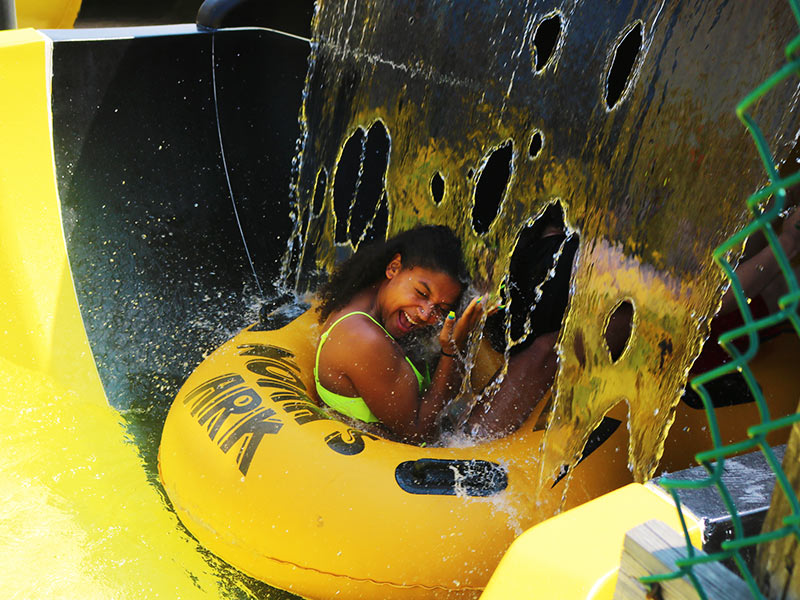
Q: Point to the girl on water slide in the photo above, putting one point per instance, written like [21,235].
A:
[385,293]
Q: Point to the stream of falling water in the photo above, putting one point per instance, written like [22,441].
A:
[493,111]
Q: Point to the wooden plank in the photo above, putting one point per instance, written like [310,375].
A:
[652,549]
[776,562]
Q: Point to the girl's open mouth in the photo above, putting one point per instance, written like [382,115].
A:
[406,323]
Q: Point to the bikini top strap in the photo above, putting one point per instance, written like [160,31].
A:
[421,380]
[324,336]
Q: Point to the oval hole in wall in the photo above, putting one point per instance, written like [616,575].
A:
[345,181]
[545,40]
[372,183]
[625,56]
[376,230]
[618,329]
[491,187]
[437,187]
[537,141]
[539,281]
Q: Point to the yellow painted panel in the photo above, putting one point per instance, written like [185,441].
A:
[47,14]
[576,554]
[39,312]
[80,518]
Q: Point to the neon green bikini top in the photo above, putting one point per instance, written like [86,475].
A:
[356,408]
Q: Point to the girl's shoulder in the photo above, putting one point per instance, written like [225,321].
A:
[356,343]
[360,330]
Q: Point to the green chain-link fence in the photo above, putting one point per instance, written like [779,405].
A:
[764,214]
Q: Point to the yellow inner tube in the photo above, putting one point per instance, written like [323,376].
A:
[281,489]
[273,484]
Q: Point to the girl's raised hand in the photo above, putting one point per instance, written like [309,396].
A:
[456,330]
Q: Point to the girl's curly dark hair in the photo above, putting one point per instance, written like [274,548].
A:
[433,247]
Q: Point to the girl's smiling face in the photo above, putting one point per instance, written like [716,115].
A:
[414,297]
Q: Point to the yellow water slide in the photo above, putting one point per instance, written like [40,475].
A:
[47,14]
[79,518]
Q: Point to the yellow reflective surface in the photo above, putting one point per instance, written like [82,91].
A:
[80,518]
[47,14]
[544,562]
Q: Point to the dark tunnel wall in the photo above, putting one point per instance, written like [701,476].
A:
[161,271]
